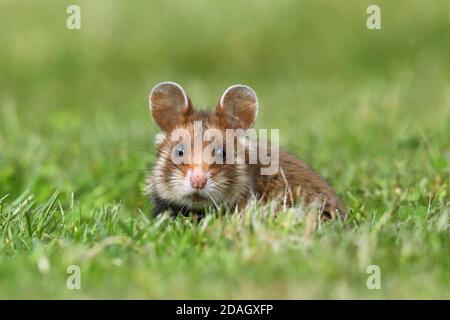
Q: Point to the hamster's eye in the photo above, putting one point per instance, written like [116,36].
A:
[179,150]
[220,154]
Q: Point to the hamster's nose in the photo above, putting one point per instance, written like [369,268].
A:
[198,178]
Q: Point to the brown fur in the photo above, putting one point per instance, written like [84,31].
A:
[297,182]
[294,184]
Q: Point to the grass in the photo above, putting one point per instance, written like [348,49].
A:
[370,110]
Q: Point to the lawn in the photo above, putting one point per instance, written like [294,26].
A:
[368,109]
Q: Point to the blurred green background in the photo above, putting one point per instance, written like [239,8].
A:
[369,109]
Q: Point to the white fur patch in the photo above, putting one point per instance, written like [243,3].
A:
[159,138]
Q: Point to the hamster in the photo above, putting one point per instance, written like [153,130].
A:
[181,183]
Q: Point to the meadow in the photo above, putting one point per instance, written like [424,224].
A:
[368,109]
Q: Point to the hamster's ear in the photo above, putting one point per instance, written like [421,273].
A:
[169,105]
[238,107]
